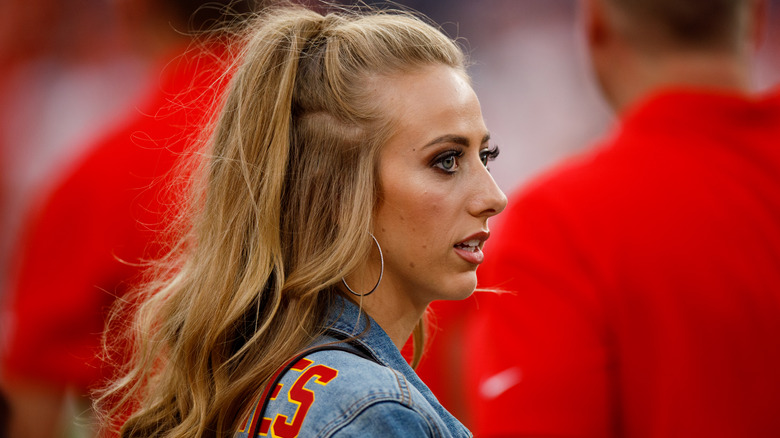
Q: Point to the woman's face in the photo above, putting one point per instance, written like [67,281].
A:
[436,191]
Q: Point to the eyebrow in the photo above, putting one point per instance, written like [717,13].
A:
[457,139]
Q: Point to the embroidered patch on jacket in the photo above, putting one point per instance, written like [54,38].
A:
[281,426]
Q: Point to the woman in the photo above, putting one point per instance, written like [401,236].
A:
[345,190]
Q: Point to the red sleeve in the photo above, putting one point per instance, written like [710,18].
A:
[83,249]
[537,363]
[80,252]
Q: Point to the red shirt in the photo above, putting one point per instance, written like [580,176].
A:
[83,248]
[644,283]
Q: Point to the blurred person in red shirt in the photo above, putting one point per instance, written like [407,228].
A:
[66,79]
[642,279]
[86,246]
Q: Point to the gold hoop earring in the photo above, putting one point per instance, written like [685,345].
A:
[381,272]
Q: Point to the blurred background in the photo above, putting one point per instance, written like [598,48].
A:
[73,71]
[68,74]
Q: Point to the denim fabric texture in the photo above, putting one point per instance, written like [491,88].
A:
[335,393]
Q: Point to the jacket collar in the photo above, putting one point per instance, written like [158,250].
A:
[346,320]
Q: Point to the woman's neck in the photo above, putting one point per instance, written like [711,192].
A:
[395,314]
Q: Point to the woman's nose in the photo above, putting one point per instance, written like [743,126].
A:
[489,200]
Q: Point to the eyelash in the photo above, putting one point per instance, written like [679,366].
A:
[490,154]
[486,154]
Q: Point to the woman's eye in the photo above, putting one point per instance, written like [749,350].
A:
[488,155]
[447,162]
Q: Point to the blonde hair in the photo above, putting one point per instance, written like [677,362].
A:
[284,211]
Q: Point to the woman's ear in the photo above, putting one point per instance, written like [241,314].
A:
[596,25]
[757,24]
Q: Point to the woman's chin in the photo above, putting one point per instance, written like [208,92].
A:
[462,290]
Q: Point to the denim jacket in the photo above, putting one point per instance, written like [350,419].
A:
[334,393]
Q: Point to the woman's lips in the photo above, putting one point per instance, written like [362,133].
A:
[472,256]
[470,248]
